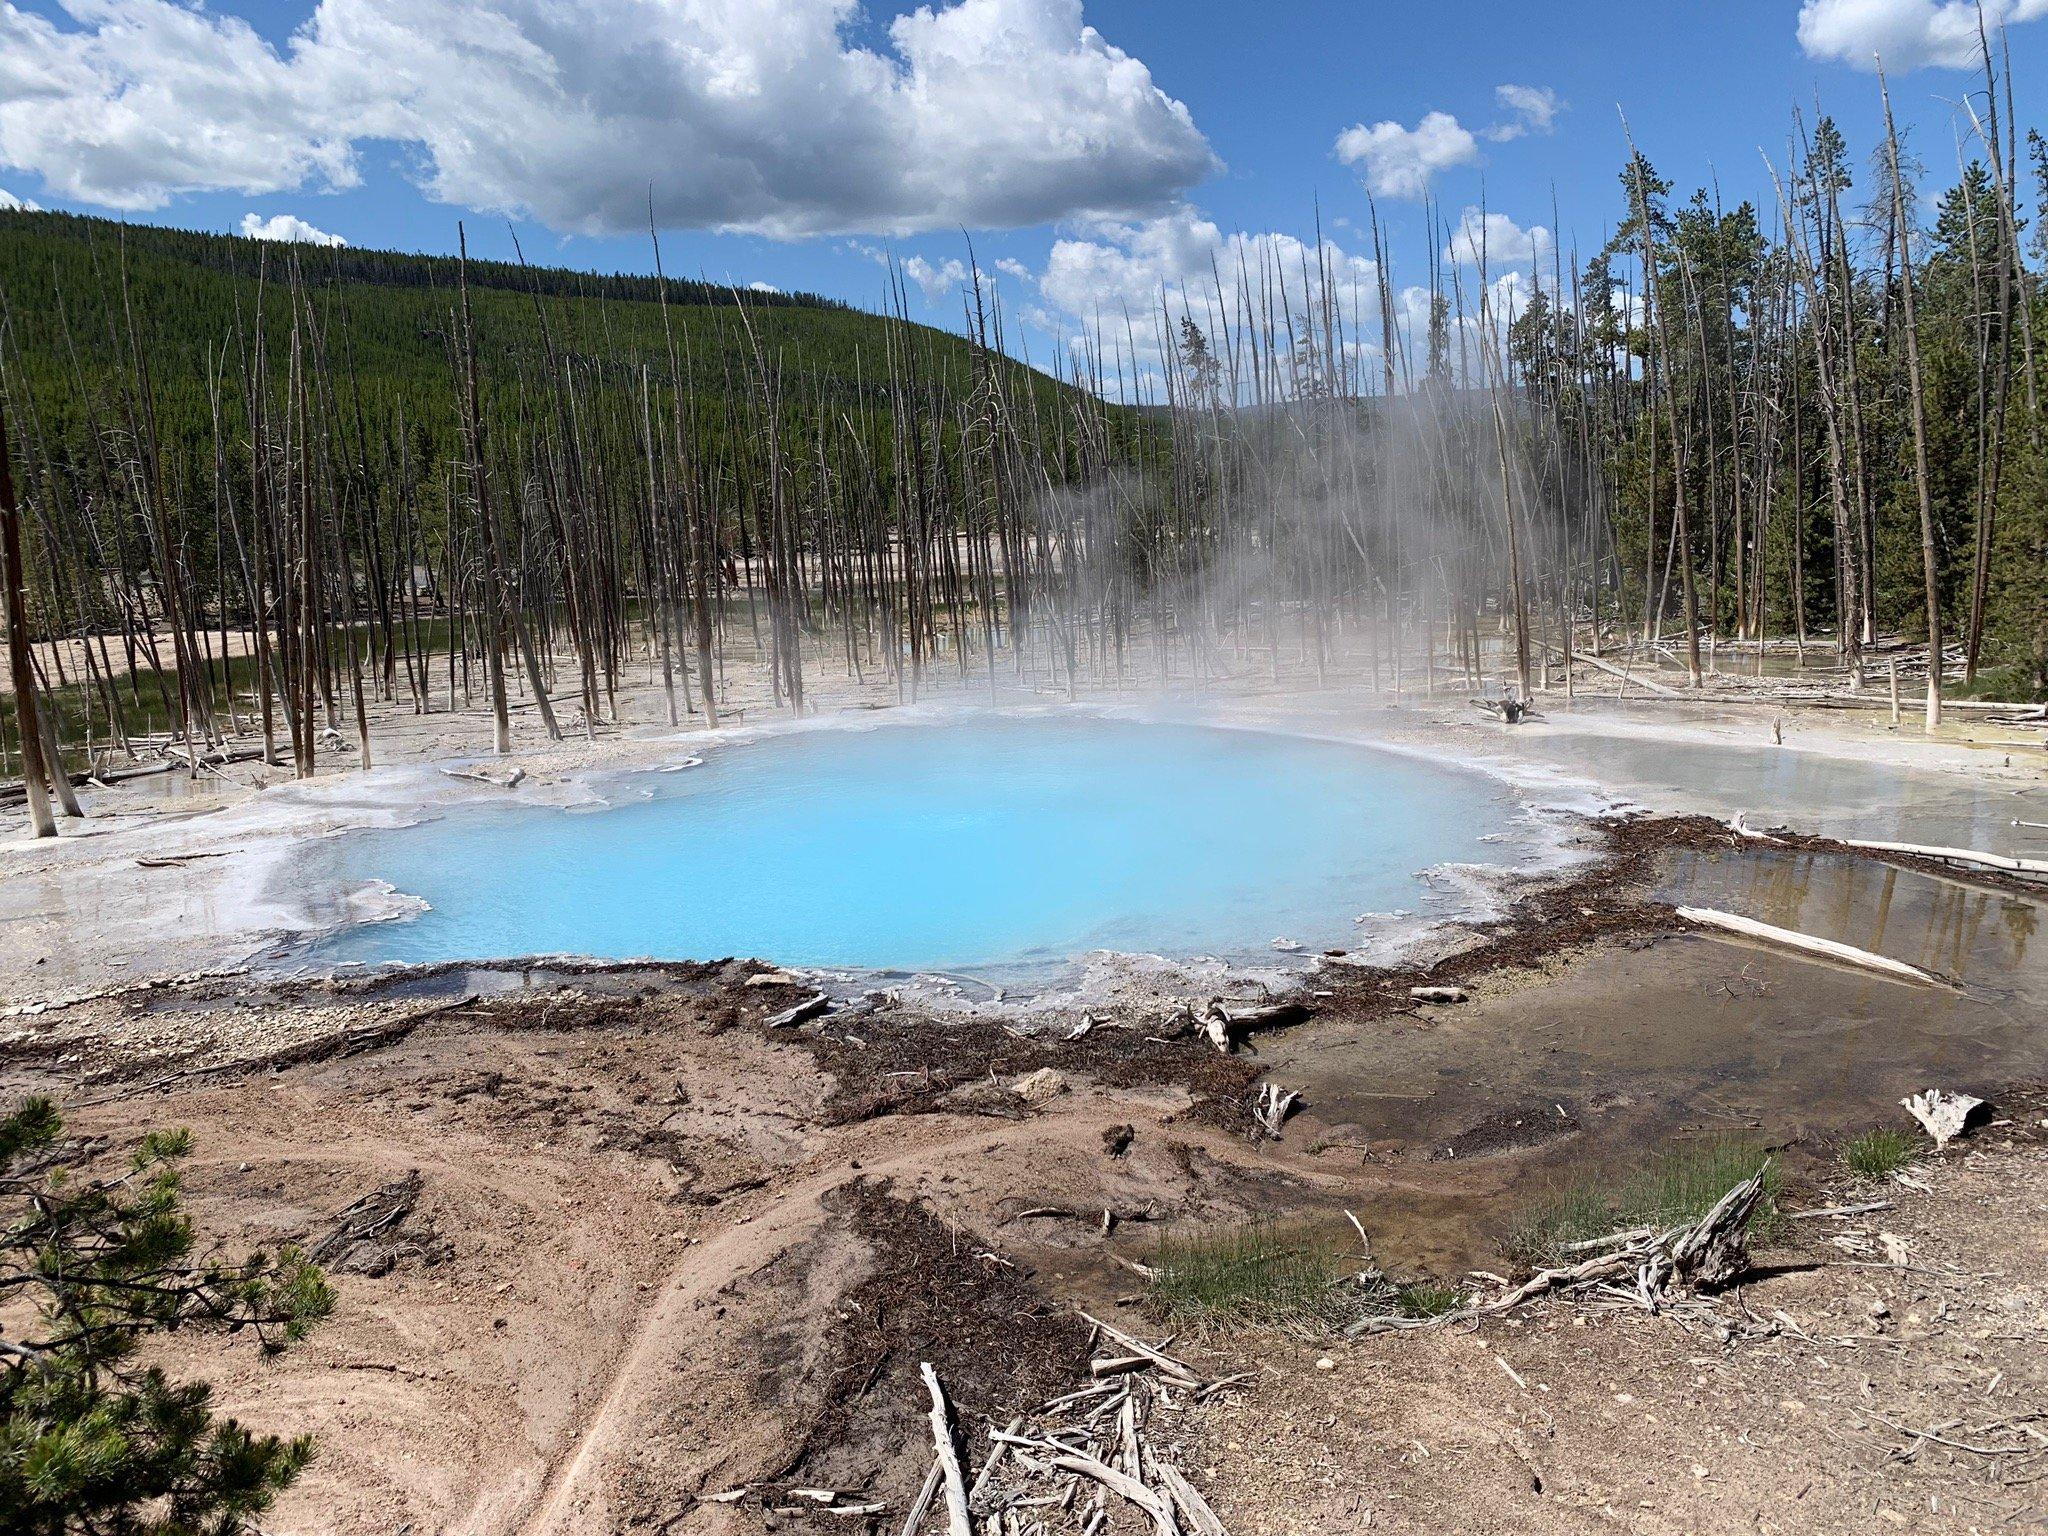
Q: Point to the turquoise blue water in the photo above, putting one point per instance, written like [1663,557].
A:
[990,843]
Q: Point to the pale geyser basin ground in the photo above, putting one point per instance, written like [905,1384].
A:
[992,844]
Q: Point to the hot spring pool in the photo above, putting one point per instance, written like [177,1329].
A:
[993,843]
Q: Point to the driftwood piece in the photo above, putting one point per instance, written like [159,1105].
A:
[958,1521]
[1715,1249]
[1274,1105]
[1437,994]
[179,860]
[2000,861]
[923,1501]
[1806,943]
[1119,1365]
[1942,1114]
[1194,1509]
[986,1475]
[1178,1370]
[809,1008]
[1739,825]
[495,777]
[1124,1487]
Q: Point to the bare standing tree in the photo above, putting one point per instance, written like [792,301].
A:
[20,661]
[1930,557]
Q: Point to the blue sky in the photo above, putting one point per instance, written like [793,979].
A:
[383,121]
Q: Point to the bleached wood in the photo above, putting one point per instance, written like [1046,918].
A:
[1956,856]
[1806,943]
[958,1521]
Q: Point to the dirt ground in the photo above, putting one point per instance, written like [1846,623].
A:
[1855,1394]
[652,1249]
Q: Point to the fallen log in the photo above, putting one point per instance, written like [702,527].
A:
[958,1521]
[803,1012]
[1611,670]
[1227,1027]
[1999,861]
[496,778]
[1436,994]
[1827,949]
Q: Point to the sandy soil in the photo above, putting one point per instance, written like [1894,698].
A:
[1853,1394]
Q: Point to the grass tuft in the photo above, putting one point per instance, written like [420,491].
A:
[1683,1183]
[1255,1275]
[1573,1214]
[2011,683]
[1428,1298]
[1676,1187]
[1878,1152]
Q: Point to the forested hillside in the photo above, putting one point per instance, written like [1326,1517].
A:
[87,297]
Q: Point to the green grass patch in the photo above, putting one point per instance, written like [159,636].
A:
[1257,1274]
[1294,1277]
[1878,1152]
[1427,1298]
[2012,683]
[1576,1213]
[1677,1186]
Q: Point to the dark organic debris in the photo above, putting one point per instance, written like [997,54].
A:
[381,1230]
[933,1293]
[1509,1130]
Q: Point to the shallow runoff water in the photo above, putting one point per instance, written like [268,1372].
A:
[992,844]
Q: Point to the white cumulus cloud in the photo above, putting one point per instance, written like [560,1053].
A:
[755,115]
[1907,34]
[1529,108]
[1157,270]
[141,98]
[938,281]
[1182,259]
[1496,241]
[1400,162]
[287,228]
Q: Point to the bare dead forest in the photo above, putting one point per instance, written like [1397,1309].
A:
[1799,437]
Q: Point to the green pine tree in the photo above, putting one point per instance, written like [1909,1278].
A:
[90,1268]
